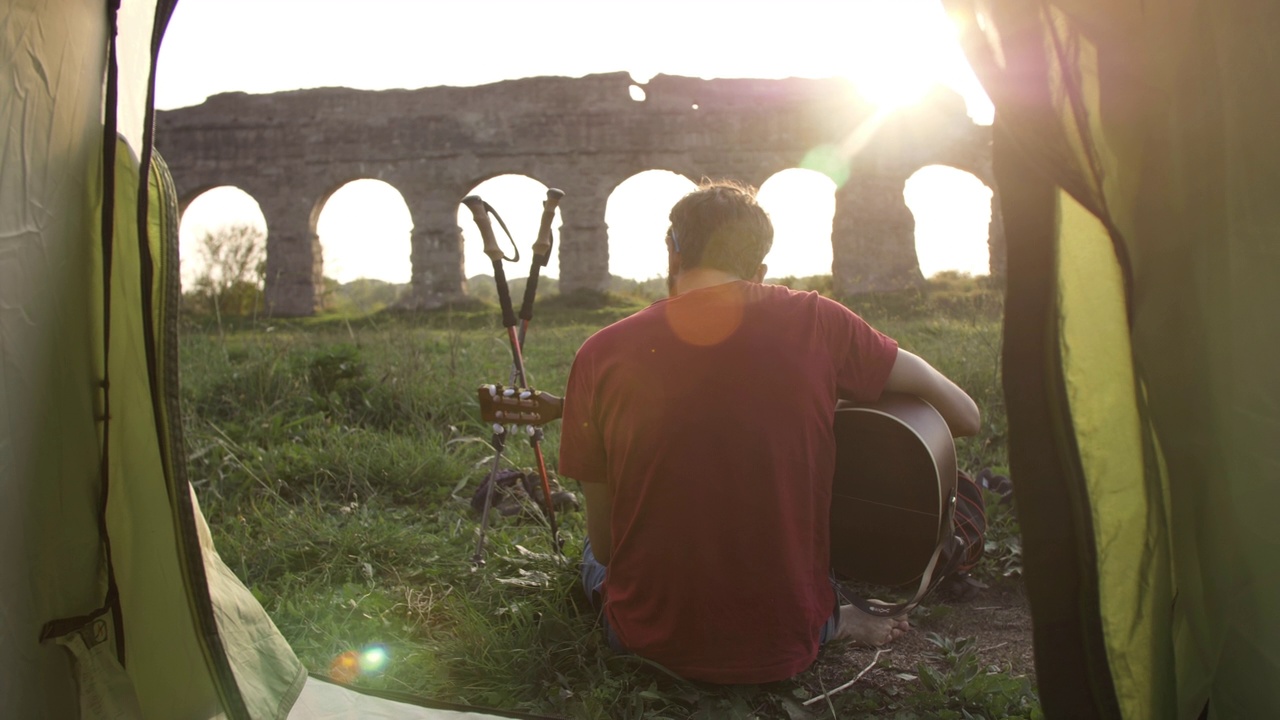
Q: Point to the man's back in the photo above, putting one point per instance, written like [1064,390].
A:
[709,415]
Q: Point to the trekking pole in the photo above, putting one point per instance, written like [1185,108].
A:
[541,254]
[480,213]
[517,395]
[499,442]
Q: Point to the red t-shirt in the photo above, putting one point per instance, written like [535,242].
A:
[710,415]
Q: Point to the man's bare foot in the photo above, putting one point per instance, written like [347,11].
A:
[860,627]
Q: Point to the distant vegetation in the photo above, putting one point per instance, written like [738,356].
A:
[234,261]
[236,290]
[482,287]
[361,296]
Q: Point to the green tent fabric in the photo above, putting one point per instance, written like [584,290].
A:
[90,457]
[1137,161]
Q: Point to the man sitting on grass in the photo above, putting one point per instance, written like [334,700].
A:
[700,429]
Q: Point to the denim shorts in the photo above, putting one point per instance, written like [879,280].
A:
[593,574]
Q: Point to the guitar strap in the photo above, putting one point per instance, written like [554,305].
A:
[929,579]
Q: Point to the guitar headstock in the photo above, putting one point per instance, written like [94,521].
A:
[518,406]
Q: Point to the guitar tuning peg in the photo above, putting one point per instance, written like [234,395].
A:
[509,392]
[526,395]
[498,429]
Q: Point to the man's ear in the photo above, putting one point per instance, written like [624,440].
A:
[760,271]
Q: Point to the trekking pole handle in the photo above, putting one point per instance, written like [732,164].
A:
[480,213]
[541,254]
[542,246]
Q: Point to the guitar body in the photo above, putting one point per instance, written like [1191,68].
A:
[893,489]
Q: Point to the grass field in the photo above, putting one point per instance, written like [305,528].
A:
[335,459]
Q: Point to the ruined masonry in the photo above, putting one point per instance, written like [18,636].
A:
[292,150]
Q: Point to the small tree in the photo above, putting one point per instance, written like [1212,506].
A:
[234,267]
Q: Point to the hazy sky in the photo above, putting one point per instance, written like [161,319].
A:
[268,45]
[890,49]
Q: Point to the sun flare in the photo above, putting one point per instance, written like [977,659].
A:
[898,51]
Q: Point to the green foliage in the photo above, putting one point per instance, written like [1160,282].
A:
[330,367]
[1003,552]
[335,459]
[957,685]
[947,294]
[234,260]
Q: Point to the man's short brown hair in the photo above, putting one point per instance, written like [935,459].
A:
[721,226]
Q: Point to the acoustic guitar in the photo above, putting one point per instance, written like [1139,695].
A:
[893,494]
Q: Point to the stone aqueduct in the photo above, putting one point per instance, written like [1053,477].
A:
[292,150]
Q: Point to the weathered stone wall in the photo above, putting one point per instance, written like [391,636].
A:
[292,150]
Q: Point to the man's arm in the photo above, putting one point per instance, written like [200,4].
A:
[911,374]
[599,498]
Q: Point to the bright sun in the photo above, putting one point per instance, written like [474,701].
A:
[898,51]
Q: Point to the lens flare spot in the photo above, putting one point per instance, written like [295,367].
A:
[345,668]
[373,659]
[828,160]
[350,665]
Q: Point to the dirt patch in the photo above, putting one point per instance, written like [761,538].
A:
[997,618]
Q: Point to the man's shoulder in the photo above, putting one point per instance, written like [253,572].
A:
[783,295]
[626,329]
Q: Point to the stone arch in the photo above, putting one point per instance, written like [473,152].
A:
[203,210]
[952,211]
[385,252]
[973,159]
[636,220]
[286,149]
[801,204]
